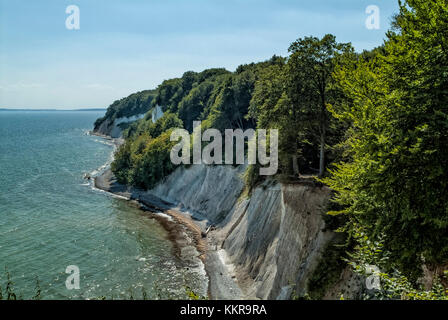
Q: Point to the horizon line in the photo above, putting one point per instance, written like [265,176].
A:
[52,109]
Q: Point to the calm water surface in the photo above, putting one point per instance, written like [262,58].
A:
[51,218]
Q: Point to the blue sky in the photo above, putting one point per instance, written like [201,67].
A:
[127,46]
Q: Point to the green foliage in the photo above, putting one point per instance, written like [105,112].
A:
[144,161]
[393,284]
[220,98]
[251,176]
[193,105]
[10,295]
[38,290]
[395,179]
[328,270]
[310,88]
[144,294]
[171,92]
[9,292]
[232,102]
[270,107]
[292,96]
[192,295]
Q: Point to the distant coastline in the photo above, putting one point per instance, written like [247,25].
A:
[91,109]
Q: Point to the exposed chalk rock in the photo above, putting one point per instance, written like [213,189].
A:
[113,129]
[273,240]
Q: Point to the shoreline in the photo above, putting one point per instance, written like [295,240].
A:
[193,243]
[161,210]
[189,244]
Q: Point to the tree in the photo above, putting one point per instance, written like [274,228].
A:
[310,67]
[232,101]
[193,105]
[396,179]
[271,108]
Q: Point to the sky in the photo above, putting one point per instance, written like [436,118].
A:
[122,47]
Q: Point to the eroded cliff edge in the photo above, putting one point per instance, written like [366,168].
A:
[269,242]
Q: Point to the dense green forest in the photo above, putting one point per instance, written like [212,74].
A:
[136,103]
[373,126]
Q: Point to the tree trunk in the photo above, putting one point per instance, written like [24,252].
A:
[240,123]
[295,165]
[295,161]
[322,153]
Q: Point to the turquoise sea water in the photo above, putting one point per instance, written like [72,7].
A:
[51,218]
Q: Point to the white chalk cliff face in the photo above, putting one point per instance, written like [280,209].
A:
[112,128]
[279,238]
[272,240]
[157,113]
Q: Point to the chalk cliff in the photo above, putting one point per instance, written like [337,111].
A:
[270,242]
[112,128]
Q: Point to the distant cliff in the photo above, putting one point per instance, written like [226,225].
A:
[124,111]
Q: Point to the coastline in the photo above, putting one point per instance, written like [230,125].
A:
[192,244]
[178,225]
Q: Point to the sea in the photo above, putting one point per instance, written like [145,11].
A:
[56,228]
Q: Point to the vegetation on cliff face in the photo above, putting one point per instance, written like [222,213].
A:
[371,259]
[377,119]
[144,161]
[135,104]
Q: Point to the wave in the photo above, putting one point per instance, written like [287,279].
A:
[102,168]
[113,195]
[164,215]
[106,142]
[90,176]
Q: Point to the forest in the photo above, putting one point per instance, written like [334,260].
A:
[372,126]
